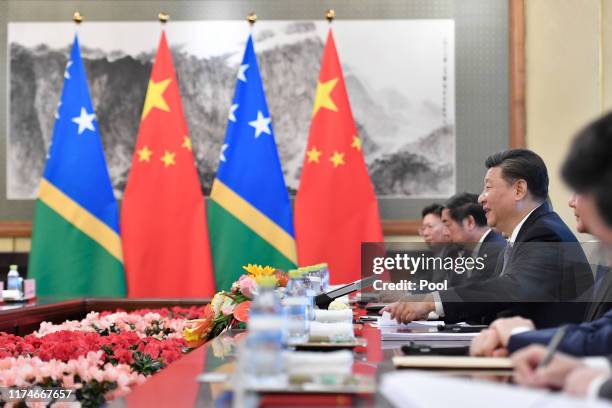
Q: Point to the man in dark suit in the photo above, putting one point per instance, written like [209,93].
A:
[436,236]
[543,267]
[466,223]
[588,170]
[510,334]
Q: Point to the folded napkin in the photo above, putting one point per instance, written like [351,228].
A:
[301,363]
[333,316]
[333,332]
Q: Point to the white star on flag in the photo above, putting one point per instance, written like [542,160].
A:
[261,124]
[232,116]
[67,72]
[57,110]
[223,149]
[85,121]
[241,71]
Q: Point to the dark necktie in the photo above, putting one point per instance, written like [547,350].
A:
[507,255]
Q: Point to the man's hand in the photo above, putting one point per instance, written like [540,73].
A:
[405,311]
[487,344]
[580,379]
[527,372]
[494,341]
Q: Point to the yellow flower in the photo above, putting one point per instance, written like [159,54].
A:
[257,271]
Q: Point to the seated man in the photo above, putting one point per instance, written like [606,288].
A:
[588,170]
[436,236]
[592,338]
[543,267]
[467,226]
[438,242]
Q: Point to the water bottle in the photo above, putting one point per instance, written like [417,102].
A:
[314,275]
[322,270]
[265,339]
[297,309]
[13,280]
[311,292]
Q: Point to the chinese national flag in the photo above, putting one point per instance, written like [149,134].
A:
[335,207]
[163,220]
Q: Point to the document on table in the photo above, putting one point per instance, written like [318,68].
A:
[418,389]
[421,334]
[386,321]
[493,363]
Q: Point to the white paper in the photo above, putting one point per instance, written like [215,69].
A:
[392,333]
[416,389]
[386,321]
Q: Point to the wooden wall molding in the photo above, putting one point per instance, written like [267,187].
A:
[16,229]
[23,229]
[517,80]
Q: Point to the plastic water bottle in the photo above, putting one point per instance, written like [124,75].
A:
[322,270]
[297,309]
[314,277]
[13,280]
[266,339]
[311,292]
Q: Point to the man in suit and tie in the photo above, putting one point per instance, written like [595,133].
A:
[507,335]
[466,223]
[543,268]
[436,236]
[588,170]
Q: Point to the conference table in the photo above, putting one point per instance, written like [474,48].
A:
[177,385]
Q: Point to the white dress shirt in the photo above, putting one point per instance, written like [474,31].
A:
[439,308]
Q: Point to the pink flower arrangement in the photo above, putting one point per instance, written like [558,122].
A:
[101,356]
[144,323]
[76,374]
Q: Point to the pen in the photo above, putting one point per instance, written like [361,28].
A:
[553,346]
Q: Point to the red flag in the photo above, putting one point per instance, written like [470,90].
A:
[335,207]
[163,220]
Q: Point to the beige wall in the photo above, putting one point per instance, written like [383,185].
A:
[568,81]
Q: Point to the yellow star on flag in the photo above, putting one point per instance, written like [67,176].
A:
[356,143]
[144,154]
[186,143]
[313,155]
[337,159]
[323,97]
[168,158]
[155,97]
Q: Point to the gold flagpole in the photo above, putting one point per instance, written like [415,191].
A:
[252,19]
[77,17]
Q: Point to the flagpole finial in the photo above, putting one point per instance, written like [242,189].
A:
[252,18]
[163,17]
[77,17]
[330,15]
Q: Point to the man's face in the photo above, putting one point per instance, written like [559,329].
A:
[497,198]
[455,229]
[576,202]
[433,230]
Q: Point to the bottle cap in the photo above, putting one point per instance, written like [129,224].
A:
[13,267]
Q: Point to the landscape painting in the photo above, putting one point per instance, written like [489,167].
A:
[400,76]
